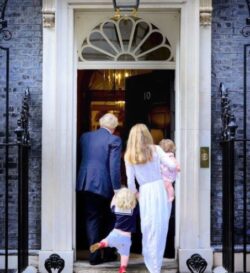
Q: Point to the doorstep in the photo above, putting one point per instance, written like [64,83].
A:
[136,265]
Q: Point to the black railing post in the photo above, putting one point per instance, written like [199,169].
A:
[5,34]
[228,140]
[246,33]
[19,243]
[6,234]
[246,47]
[22,207]
[23,142]
[228,204]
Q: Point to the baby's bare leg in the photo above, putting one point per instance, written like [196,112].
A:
[170,190]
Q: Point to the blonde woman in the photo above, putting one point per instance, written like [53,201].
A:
[142,161]
[125,208]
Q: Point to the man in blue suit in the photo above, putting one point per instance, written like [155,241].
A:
[99,178]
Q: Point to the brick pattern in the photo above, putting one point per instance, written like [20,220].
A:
[229,17]
[25,23]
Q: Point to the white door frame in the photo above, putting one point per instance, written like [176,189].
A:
[136,65]
[58,131]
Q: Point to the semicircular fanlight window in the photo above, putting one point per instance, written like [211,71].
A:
[127,39]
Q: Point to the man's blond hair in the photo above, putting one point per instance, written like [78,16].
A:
[108,120]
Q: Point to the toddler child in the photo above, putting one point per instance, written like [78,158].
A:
[169,176]
[124,206]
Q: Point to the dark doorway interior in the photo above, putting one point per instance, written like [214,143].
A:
[135,96]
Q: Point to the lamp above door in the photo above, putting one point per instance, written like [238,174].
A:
[128,5]
[125,6]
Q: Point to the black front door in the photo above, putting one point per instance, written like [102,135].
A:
[149,100]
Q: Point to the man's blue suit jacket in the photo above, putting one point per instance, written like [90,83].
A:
[100,163]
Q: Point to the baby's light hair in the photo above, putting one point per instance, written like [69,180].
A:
[167,145]
[125,199]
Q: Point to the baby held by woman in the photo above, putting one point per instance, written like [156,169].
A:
[169,176]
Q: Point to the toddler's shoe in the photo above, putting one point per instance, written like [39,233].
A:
[94,247]
[122,269]
[97,246]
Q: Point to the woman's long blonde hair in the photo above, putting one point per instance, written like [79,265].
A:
[138,146]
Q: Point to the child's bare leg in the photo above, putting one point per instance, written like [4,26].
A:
[124,264]
[96,246]
[124,260]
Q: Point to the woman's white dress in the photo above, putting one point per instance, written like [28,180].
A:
[154,207]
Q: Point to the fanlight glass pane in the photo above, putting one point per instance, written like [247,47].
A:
[160,54]
[126,57]
[154,27]
[153,40]
[110,31]
[91,54]
[125,26]
[97,39]
[141,30]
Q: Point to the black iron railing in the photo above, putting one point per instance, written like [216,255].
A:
[228,134]
[23,141]
[6,147]
[245,142]
[234,153]
[14,150]
[5,35]
[235,150]
[228,241]
[21,148]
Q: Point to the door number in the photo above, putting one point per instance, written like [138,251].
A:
[147,95]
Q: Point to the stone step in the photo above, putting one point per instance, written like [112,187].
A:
[115,270]
[136,265]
